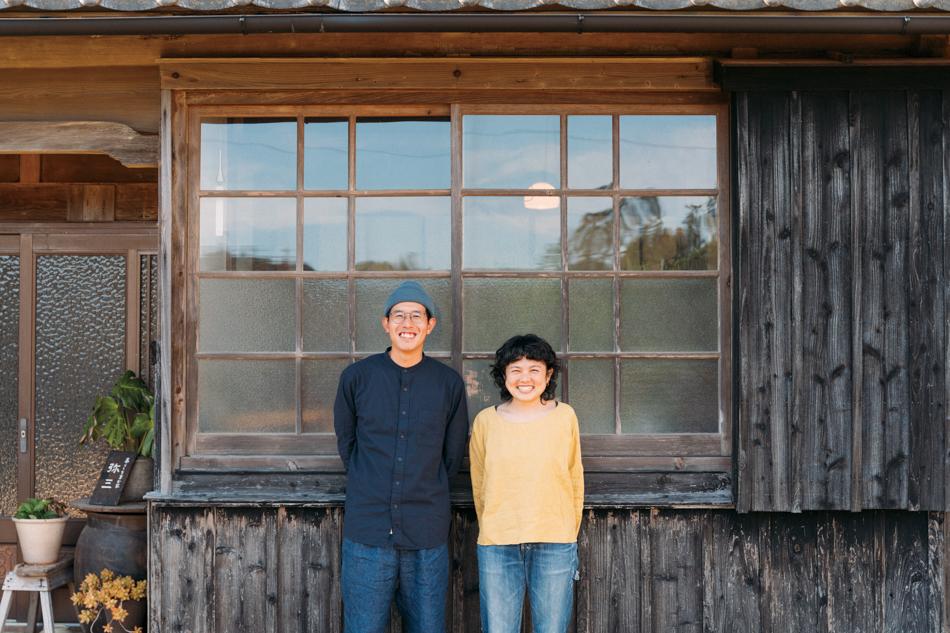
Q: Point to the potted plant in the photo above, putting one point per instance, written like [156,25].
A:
[125,420]
[40,524]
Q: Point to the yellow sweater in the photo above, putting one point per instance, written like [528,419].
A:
[527,477]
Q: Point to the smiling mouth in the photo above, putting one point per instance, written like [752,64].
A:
[525,388]
[407,335]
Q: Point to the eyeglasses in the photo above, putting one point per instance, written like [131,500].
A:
[417,318]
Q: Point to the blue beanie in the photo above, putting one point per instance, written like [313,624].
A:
[410,291]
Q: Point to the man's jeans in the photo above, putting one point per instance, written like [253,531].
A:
[546,569]
[372,576]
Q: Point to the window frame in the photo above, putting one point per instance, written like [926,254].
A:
[676,452]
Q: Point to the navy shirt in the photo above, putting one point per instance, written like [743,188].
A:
[401,433]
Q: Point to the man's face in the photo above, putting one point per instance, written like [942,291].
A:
[408,326]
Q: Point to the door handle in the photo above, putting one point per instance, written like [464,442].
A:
[22,435]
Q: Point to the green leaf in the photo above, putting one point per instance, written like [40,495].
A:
[147,443]
[141,425]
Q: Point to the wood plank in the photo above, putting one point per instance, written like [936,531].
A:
[136,202]
[92,168]
[183,563]
[463,614]
[850,554]
[732,582]
[609,594]
[126,95]
[29,168]
[937,572]
[590,73]
[794,589]
[308,554]
[748,469]
[676,573]
[9,168]
[117,140]
[98,204]
[245,571]
[76,203]
[825,376]
[906,589]
[926,306]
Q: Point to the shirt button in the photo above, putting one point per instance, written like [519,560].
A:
[405,388]
[404,413]
[399,459]
[402,436]
[395,505]
[398,482]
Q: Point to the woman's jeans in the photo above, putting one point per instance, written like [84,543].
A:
[372,576]
[547,570]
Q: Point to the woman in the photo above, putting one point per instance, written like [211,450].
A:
[528,485]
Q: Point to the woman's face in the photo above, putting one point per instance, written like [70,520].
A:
[527,379]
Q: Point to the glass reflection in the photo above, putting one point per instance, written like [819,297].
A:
[324,234]
[669,233]
[370,298]
[509,233]
[668,152]
[401,153]
[590,152]
[669,396]
[590,233]
[513,152]
[325,153]
[248,234]
[479,386]
[247,154]
[403,233]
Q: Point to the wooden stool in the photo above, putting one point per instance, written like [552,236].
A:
[39,580]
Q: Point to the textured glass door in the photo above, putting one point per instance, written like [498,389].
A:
[9,383]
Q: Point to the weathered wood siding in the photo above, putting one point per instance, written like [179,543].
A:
[842,299]
[277,569]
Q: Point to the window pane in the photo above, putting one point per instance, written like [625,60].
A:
[668,152]
[590,233]
[241,396]
[592,315]
[248,154]
[403,233]
[506,233]
[9,363]
[592,395]
[513,152]
[371,297]
[669,233]
[397,153]
[325,153]
[590,152]
[324,234]
[669,396]
[248,234]
[325,316]
[669,315]
[320,379]
[497,309]
[246,315]
[479,386]
[80,353]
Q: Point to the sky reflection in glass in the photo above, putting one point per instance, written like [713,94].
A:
[396,153]
[511,151]
[502,233]
[589,152]
[325,153]
[248,234]
[668,152]
[324,234]
[403,233]
[245,154]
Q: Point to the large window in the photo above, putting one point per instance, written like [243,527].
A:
[602,229]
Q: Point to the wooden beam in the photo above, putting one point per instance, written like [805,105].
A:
[29,168]
[80,137]
[77,202]
[692,74]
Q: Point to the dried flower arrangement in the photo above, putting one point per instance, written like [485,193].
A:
[105,595]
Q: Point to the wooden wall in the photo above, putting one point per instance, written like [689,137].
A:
[277,569]
[842,299]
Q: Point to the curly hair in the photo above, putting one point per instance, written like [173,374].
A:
[532,347]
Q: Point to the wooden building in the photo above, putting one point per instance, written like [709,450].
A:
[730,218]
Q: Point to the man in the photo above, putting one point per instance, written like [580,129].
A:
[401,424]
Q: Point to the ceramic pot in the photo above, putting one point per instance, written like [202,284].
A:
[40,539]
[141,480]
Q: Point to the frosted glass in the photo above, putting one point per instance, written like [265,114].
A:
[401,153]
[511,152]
[669,315]
[248,154]
[668,152]
[503,233]
[325,316]
[80,353]
[248,234]
[403,233]
[497,309]
[590,152]
[148,315]
[320,380]
[479,386]
[325,161]
[669,233]
[592,395]
[371,297]
[324,233]
[240,396]
[592,315]
[669,396]
[590,234]
[9,352]
[246,315]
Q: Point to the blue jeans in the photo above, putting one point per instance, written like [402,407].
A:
[372,576]
[547,570]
